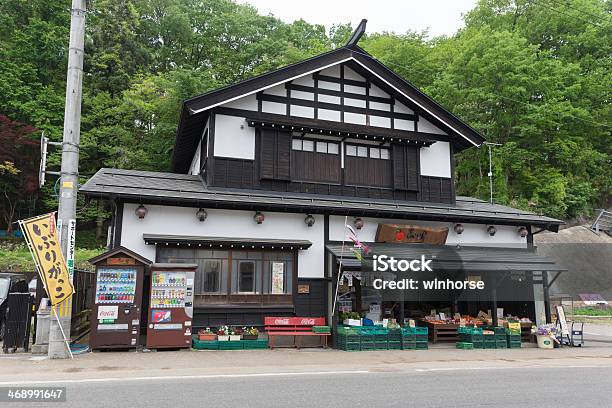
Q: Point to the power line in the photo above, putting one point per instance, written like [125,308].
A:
[541,3]
[581,11]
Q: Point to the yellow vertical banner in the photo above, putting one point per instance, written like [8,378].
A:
[41,236]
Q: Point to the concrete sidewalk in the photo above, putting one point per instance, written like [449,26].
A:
[244,362]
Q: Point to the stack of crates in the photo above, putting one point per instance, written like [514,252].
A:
[231,345]
[422,338]
[408,338]
[368,337]
[348,338]
[204,345]
[395,339]
[500,337]
[472,336]
[513,338]
[489,341]
[258,344]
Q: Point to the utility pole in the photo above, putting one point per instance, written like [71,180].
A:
[69,173]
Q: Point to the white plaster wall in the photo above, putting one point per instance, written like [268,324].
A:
[225,223]
[274,107]
[302,111]
[350,74]
[248,103]
[306,80]
[401,108]
[278,90]
[403,124]
[473,234]
[380,121]
[436,160]
[355,89]
[333,71]
[325,114]
[376,91]
[195,162]
[234,138]
[356,118]
[428,127]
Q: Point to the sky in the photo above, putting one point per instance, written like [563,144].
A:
[437,16]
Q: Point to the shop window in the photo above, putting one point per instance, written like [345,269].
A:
[380,153]
[246,276]
[314,146]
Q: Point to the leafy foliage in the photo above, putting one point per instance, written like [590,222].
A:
[534,76]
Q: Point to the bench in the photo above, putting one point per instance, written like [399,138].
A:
[297,327]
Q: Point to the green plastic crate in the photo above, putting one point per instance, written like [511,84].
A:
[205,345]
[255,344]
[382,345]
[422,345]
[501,344]
[514,344]
[348,338]
[350,347]
[470,338]
[489,344]
[408,336]
[421,330]
[422,337]
[368,346]
[347,330]
[408,345]
[231,345]
[395,335]
[464,345]
[478,344]
[395,345]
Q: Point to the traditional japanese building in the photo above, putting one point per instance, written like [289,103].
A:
[265,173]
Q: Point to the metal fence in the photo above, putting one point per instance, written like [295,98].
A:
[18,318]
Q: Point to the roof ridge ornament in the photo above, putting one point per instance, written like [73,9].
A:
[356,36]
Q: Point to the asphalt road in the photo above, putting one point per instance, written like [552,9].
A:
[444,387]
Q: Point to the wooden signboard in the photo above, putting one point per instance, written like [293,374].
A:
[399,233]
[304,289]
[121,261]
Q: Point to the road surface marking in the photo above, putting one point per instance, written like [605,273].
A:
[424,370]
[182,377]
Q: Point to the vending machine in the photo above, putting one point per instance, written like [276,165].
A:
[115,318]
[171,305]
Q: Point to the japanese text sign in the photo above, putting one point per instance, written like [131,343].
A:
[41,235]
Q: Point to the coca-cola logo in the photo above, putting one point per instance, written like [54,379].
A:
[281,321]
[307,321]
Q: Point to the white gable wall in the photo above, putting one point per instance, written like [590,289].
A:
[234,138]
[436,160]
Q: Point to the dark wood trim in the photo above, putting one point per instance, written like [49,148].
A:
[316,96]
[332,106]
[288,92]
[453,177]
[341,81]
[340,94]
[342,106]
[118,224]
[211,143]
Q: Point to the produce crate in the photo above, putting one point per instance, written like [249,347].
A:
[489,342]
[500,337]
[395,345]
[348,338]
[255,344]
[496,329]
[478,344]
[469,330]
[514,344]
[350,346]
[347,330]
[381,337]
[422,345]
[464,345]
[321,329]
[513,337]
[501,344]
[470,338]
[422,337]
[382,345]
[409,337]
[408,345]
[368,346]
[421,330]
[395,335]
[205,345]
[231,345]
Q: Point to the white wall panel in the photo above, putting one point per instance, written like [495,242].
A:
[428,127]
[302,111]
[247,103]
[350,74]
[302,95]
[333,71]
[355,89]
[436,160]
[273,107]
[380,121]
[329,99]
[234,138]
[401,108]
[278,90]
[195,162]
[329,85]
[474,234]
[380,106]
[225,223]
[376,91]
[325,114]
[403,124]
[355,102]
[306,80]
[357,118]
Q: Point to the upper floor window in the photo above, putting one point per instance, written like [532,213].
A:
[306,145]
[381,153]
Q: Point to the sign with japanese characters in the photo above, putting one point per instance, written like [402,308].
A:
[42,238]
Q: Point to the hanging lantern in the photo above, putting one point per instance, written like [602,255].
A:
[358,223]
[400,235]
[491,230]
[523,232]
[141,211]
[459,229]
[259,217]
[201,215]
[309,220]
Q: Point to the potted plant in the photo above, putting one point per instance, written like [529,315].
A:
[206,335]
[234,334]
[223,333]
[250,333]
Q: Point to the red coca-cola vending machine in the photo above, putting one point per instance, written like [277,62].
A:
[115,317]
[171,305]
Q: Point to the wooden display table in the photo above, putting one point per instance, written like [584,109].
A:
[441,332]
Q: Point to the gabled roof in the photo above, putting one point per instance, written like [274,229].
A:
[119,250]
[196,110]
[189,190]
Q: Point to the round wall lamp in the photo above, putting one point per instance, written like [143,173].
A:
[459,229]
[309,220]
[491,230]
[523,232]
[201,215]
[141,211]
[259,217]
[358,223]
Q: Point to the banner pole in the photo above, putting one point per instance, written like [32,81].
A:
[340,272]
[62,330]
